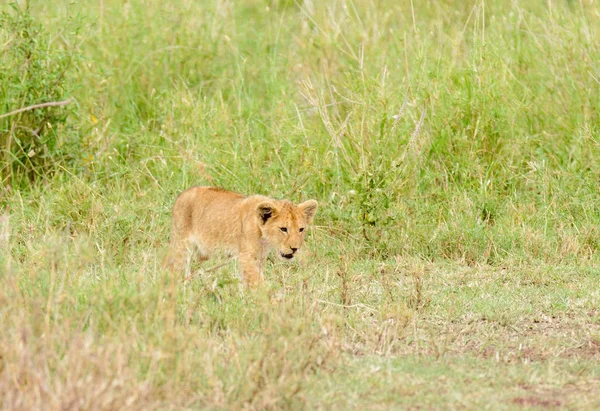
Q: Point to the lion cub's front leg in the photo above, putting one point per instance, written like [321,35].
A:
[252,260]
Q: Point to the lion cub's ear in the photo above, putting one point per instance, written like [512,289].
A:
[266,210]
[309,208]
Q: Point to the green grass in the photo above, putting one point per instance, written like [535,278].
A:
[453,150]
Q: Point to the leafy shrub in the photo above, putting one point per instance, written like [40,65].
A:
[32,71]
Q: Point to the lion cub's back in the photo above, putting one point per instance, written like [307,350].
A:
[209,215]
[212,193]
[207,202]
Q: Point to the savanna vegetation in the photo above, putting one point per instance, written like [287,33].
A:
[454,149]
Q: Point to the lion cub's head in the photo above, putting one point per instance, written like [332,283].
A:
[283,224]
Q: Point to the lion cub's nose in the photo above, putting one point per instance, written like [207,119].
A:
[293,249]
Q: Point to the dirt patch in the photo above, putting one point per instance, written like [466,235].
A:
[534,339]
[589,349]
[554,397]
[536,402]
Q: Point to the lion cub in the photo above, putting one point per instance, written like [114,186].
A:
[207,219]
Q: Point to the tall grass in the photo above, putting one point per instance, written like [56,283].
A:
[453,149]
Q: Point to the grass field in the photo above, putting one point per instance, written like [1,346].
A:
[454,149]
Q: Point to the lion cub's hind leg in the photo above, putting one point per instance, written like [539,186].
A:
[183,251]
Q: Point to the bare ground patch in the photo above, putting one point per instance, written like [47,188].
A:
[554,397]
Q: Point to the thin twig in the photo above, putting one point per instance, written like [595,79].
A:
[41,105]
[216,267]
[366,307]
[297,187]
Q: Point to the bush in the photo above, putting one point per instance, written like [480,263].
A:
[32,71]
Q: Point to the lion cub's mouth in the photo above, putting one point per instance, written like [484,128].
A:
[287,256]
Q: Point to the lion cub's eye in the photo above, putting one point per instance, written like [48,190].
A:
[283,229]
[301,229]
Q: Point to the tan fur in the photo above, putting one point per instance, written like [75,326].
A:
[208,219]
